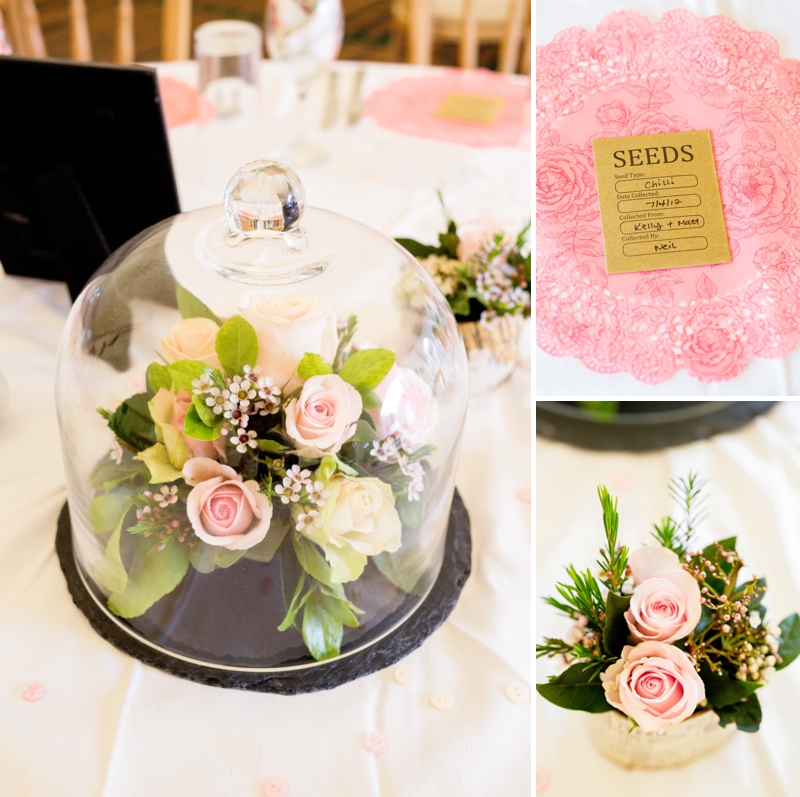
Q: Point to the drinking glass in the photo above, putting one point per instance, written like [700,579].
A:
[308,34]
[228,54]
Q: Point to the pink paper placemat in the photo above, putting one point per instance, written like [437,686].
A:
[409,106]
[182,103]
[634,77]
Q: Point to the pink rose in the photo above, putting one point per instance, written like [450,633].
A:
[566,189]
[409,409]
[288,326]
[715,347]
[192,339]
[655,684]
[773,260]
[666,602]
[223,509]
[324,415]
[613,115]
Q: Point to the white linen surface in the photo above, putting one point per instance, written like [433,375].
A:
[753,493]
[111,726]
[567,376]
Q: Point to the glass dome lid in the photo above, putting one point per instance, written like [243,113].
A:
[260,409]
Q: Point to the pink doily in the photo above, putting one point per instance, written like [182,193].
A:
[632,77]
[409,106]
[182,103]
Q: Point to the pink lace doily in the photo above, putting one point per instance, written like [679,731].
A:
[634,77]
[409,106]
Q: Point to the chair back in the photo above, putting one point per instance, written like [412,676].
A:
[25,34]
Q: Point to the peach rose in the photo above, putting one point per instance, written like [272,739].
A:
[409,409]
[666,602]
[192,339]
[324,415]
[655,684]
[223,509]
[287,327]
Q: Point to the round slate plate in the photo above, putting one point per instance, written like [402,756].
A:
[644,426]
[386,651]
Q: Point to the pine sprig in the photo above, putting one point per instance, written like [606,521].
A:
[613,559]
[677,536]
[582,597]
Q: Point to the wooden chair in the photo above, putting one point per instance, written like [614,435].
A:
[514,35]
[24,32]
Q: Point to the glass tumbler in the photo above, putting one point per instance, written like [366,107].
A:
[228,54]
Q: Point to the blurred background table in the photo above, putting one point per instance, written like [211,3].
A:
[111,726]
[753,493]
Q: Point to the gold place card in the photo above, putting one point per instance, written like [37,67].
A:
[470,108]
[659,202]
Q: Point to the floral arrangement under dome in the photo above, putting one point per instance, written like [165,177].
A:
[261,433]
[483,275]
[667,631]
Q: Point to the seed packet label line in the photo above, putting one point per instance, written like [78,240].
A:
[656,193]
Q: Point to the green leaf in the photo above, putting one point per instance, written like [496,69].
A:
[153,575]
[184,371]
[272,447]
[266,549]
[364,433]
[313,365]
[111,573]
[615,629]
[367,368]
[205,413]
[369,399]
[710,551]
[313,562]
[132,424]
[191,307]
[416,248]
[724,690]
[746,714]
[322,628]
[108,475]
[295,605]
[237,345]
[207,558]
[790,640]
[449,243]
[194,427]
[459,304]
[158,376]
[157,460]
[411,512]
[107,510]
[573,690]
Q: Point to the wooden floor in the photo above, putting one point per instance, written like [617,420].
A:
[371,33]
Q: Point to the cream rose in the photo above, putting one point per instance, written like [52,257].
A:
[357,521]
[655,684]
[408,410]
[665,605]
[223,509]
[288,327]
[192,339]
[324,415]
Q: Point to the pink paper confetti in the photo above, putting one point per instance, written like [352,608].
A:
[33,692]
[376,743]
[276,787]
[524,494]
[542,780]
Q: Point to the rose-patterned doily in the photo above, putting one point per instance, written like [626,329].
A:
[634,77]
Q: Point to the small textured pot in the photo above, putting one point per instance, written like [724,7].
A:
[666,748]
[492,350]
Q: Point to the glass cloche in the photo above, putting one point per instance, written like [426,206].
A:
[260,409]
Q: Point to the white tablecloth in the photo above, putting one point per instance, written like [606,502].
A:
[111,726]
[567,376]
[754,493]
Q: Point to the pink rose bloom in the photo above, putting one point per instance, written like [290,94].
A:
[288,326]
[715,347]
[324,415]
[409,409]
[613,115]
[223,509]
[666,602]
[655,684]
[471,243]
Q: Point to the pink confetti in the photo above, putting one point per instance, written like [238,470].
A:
[276,787]
[524,494]
[376,743]
[542,780]
[33,691]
